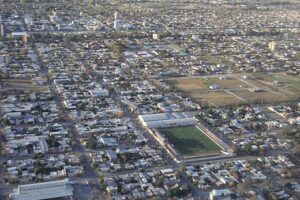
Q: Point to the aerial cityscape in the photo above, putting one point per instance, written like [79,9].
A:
[143,99]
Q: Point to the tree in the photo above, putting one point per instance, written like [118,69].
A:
[236,150]
[123,158]
[160,180]
[52,141]
[3,152]
[102,186]
[243,188]
[5,121]
[120,114]
[117,48]
[296,150]
[178,192]
[92,141]
[182,168]
[247,148]
[101,179]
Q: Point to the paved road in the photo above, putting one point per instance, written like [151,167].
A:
[89,171]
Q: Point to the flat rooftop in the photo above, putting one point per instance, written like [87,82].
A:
[46,190]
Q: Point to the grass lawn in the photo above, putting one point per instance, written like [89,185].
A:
[297,56]
[292,81]
[189,140]
[189,84]
[217,60]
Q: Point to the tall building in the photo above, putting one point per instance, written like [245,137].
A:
[4,59]
[116,25]
[28,20]
[116,15]
[25,38]
[3,31]
[144,23]
[116,22]
[272,46]
[155,36]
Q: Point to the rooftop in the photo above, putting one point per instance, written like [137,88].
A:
[47,190]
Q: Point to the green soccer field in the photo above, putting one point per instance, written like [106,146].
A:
[189,140]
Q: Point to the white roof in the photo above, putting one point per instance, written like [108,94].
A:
[221,192]
[165,116]
[18,33]
[47,190]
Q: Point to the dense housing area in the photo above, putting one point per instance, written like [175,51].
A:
[166,99]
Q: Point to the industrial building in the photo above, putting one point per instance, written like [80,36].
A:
[46,190]
[99,92]
[220,194]
[162,120]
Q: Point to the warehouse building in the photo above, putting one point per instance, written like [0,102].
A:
[46,190]
[163,120]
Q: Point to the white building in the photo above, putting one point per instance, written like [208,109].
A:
[47,190]
[155,36]
[272,46]
[28,20]
[116,25]
[98,92]
[116,22]
[18,34]
[223,194]
[195,37]
[5,59]
[167,120]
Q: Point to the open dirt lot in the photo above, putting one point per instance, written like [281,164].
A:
[235,90]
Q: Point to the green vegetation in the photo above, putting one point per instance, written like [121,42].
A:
[52,141]
[92,141]
[263,76]
[178,192]
[117,48]
[296,150]
[297,56]
[217,60]
[294,82]
[289,80]
[189,140]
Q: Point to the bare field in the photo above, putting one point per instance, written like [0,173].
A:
[21,84]
[263,97]
[230,83]
[235,90]
[216,99]
[185,85]
[280,82]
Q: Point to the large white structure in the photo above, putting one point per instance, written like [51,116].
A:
[99,92]
[116,22]
[272,46]
[47,190]
[223,194]
[162,120]
[155,36]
